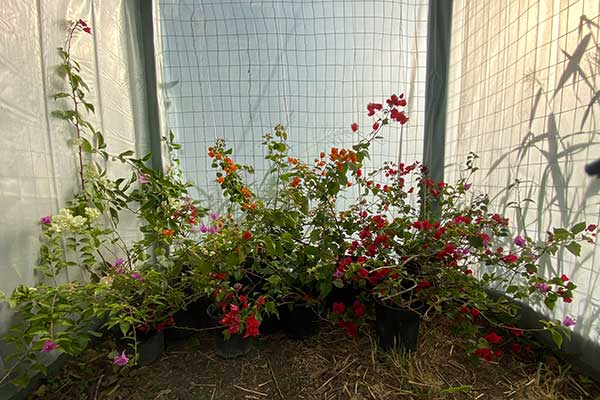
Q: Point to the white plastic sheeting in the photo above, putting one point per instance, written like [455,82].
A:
[235,69]
[523,76]
[38,167]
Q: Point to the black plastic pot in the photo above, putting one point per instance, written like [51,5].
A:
[301,322]
[346,295]
[150,347]
[235,346]
[270,324]
[397,328]
[193,317]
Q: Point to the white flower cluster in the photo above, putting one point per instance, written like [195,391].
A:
[91,176]
[92,213]
[66,221]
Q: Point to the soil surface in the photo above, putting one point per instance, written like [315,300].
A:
[327,366]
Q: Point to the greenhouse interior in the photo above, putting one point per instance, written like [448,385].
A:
[300,199]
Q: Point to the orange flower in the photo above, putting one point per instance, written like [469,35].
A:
[322,155]
[220,180]
[293,160]
[295,182]
[167,232]
[211,153]
[246,193]
[219,156]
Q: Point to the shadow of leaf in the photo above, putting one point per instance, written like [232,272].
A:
[573,65]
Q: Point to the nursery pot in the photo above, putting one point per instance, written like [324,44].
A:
[397,328]
[301,321]
[346,295]
[193,317]
[235,346]
[270,324]
[150,347]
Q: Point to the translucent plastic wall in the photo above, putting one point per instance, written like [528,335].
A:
[235,69]
[523,95]
[38,168]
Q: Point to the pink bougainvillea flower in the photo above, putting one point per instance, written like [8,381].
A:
[118,262]
[121,360]
[493,338]
[212,230]
[591,228]
[511,258]
[354,127]
[120,271]
[542,287]
[203,228]
[467,186]
[519,241]
[568,321]
[214,216]
[47,220]
[137,276]
[338,274]
[143,178]
[49,346]
[338,308]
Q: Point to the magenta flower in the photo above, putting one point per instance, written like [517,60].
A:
[121,360]
[338,274]
[203,228]
[568,321]
[212,229]
[542,287]
[118,262]
[143,178]
[137,276]
[49,345]
[120,271]
[47,220]
[467,186]
[519,241]
[214,216]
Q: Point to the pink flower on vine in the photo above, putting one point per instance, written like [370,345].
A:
[47,220]
[137,276]
[118,262]
[121,360]
[49,346]
[143,178]
[568,321]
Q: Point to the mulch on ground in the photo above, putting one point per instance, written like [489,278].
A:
[325,367]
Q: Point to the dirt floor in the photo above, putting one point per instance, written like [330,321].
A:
[328,366]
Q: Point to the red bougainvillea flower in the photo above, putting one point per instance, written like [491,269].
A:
[484,353]
[260,302]
[493,338]
[464,310]
[246,235]
[511,258]
[515,331]
[516,348]
[354,127]
[358,308]
[252,325]
[376,126]
[49,346]
[167,232]
[351,327]
[564,278]
[591,228]
[475,313]
[372,107]
[363,273]
[339,308]
[295,182]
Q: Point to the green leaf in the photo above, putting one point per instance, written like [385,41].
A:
[574,248]
[557,337]
[578,228]
[561,234]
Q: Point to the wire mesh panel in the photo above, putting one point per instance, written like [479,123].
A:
[524,80]
[235,69]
